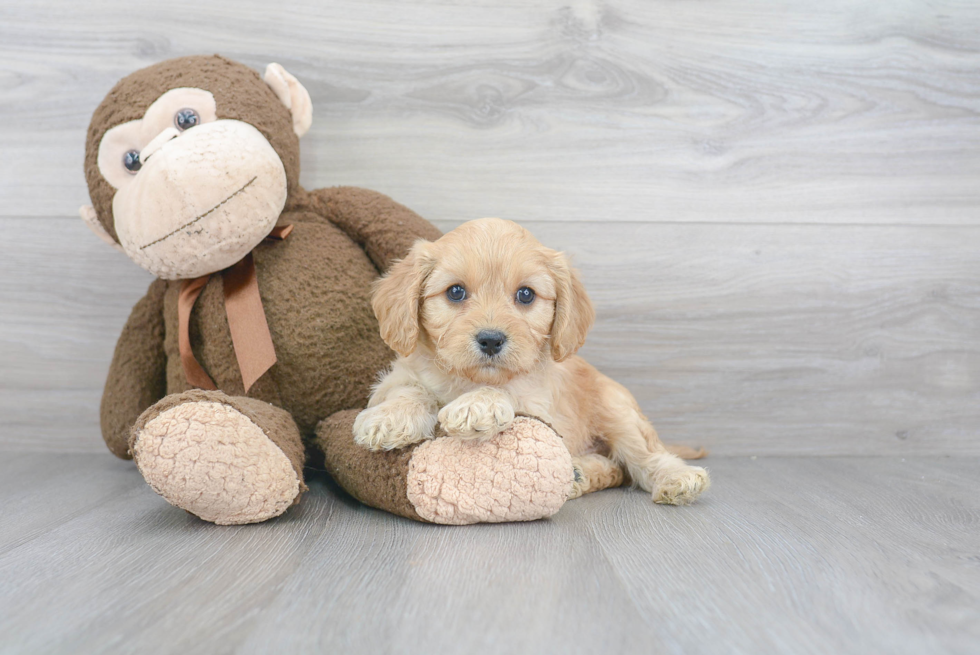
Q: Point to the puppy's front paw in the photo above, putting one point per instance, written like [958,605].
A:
[479,414]
[386,427]
[681,485]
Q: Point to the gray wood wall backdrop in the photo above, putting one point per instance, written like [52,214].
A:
[775,205]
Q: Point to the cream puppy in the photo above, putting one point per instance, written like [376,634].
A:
[486,321]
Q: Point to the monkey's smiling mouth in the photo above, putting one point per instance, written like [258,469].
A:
[195,220]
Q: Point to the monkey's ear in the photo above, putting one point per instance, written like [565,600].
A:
[88,215]
[292,94]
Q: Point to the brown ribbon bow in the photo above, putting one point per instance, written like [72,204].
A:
[246,319]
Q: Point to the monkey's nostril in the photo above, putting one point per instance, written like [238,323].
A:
[491,342]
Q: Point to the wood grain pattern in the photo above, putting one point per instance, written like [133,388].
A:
[747,339]
[632,110]
[789,555]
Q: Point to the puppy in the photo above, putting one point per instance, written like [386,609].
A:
[486,321]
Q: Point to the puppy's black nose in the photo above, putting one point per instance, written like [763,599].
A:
[490,341]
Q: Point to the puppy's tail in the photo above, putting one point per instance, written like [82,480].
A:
[686,452]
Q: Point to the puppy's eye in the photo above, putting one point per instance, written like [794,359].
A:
[525,295]
[456,293]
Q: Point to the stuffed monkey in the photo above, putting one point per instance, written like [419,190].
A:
[253,351]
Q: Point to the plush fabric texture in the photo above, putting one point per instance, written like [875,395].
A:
[184,209]
[373,221]
[315,288]
[376,479]
[203,454]
[522,474]
[137,371]
[293,96]
[149,133]
[239,93]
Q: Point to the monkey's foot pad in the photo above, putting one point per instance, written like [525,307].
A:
[213,461]
[522,474]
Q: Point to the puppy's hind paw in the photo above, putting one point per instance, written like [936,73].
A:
[592,473]
[681,486]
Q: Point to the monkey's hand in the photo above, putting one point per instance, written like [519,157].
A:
[138,373]
[385,229]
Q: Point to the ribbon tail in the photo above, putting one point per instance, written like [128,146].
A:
[279,232]
[189,291]
[246,320]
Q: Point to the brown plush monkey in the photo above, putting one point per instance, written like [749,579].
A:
[250,354]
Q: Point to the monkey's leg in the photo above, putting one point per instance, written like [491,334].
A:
[229,460]
[521,474]
[594,473]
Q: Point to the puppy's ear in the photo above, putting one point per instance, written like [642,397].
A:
[397,297]
[574,313]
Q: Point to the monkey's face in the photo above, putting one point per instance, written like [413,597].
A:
[193,190]
[194,194]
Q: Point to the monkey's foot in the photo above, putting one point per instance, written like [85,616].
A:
[521,474]
[212,460]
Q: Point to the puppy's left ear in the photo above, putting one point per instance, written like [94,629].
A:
[574,314]
[397,297]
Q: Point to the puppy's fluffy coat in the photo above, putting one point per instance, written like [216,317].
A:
[486,321]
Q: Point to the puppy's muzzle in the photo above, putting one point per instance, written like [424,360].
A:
[491,342]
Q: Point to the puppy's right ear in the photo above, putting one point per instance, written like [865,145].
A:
[397,297]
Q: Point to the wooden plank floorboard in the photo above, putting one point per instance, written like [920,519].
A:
[639,110]
[134,561]
[795,555]
[830,558]
[541,587]
[748,339]
[72,486]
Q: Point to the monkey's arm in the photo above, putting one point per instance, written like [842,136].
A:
[385,229]
[138,373]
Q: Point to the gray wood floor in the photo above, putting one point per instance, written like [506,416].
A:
[787,555]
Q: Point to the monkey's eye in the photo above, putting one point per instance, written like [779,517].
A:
[186,119]
[131,160]
[456,293]
[525,295]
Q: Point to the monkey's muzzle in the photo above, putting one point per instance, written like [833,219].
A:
[202,201]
